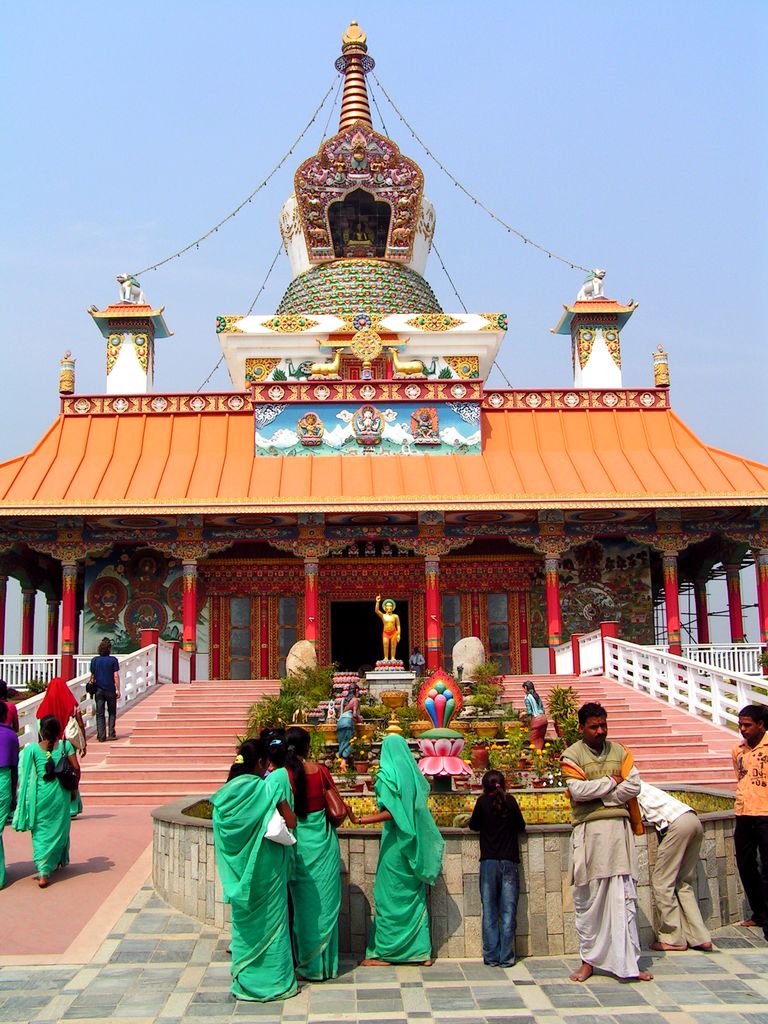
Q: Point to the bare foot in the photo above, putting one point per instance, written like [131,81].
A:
[705,947]
[374,963]
[644,976]
[426,963]
[42,882]
[667,947]
[749,923]
[584,972]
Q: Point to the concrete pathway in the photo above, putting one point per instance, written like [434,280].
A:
[157,966]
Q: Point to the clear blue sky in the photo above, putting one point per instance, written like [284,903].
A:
[622,135]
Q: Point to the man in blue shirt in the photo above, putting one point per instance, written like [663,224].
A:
[105,675]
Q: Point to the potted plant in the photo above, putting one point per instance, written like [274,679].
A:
[361,754]
[478,750]
[562,704]
[406,716]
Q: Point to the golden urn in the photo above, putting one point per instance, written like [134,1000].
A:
[394,699]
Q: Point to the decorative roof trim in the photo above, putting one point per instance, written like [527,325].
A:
[571,399]
[156,405]
[452,503]
[406,390]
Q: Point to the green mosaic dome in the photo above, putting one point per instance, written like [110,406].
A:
[359,286]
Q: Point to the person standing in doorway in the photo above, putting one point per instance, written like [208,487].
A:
[105,676]
[750,836]
[416,662]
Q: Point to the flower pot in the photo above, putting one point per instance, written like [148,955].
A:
[487,729]
[421,725]
[479,757]
[328,729]
[361,767]
[365,730]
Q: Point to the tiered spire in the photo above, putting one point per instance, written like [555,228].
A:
[354,63]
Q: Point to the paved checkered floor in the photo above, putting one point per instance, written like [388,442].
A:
[160,967]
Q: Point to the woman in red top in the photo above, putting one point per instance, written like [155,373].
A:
[316,887]
[60,702]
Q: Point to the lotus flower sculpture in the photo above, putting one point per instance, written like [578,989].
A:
[440,699]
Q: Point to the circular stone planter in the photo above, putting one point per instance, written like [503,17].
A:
[184,874]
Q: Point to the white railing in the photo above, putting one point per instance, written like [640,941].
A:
[83,663]
[185,666]
[591,654]
[702,690]
[137,675]
[18,670]
[564,659]
[741,658]
[165,661]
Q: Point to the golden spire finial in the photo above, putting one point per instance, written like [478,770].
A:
[354,34]
[354,63]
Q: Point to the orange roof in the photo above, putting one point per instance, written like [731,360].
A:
[531,459]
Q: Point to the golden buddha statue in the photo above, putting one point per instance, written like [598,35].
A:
[391,623]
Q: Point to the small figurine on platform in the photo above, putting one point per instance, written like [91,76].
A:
[130,290]
[592,288]
[391,622]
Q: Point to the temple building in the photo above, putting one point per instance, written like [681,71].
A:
[361,452]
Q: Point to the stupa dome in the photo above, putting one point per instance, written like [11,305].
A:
[359,285]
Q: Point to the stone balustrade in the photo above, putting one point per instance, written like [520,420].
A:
[184,874]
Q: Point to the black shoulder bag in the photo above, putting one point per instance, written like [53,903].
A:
[65,772]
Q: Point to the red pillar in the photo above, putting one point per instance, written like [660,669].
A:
[68,618]
[3,595]
[53,627]
[733,581]
[28,620]
[474,605]
[761,570]
[525,646]
[189,610]
[264,636]
[216,637]
[311,566]
[554,616]
[434,630]
[702,611]
[672,601]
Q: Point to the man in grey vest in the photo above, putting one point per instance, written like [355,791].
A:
[603,784]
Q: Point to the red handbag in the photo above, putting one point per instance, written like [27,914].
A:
[335,808]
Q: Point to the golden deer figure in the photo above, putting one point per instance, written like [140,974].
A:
[412,368]
[330,369]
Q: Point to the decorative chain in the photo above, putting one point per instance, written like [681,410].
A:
[445,271]
[250,310]
[478,202]
[229,216]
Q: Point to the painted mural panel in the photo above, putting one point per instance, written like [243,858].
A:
[408,428]
[133,590]
[600,581]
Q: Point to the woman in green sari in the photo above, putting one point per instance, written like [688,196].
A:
[254,875]
[410,858]
[316,884]
[43,804]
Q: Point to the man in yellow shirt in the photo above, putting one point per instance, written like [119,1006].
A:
[750,836]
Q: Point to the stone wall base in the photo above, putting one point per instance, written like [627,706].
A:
[184,874]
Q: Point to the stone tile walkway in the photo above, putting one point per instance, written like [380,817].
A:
[159,967]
